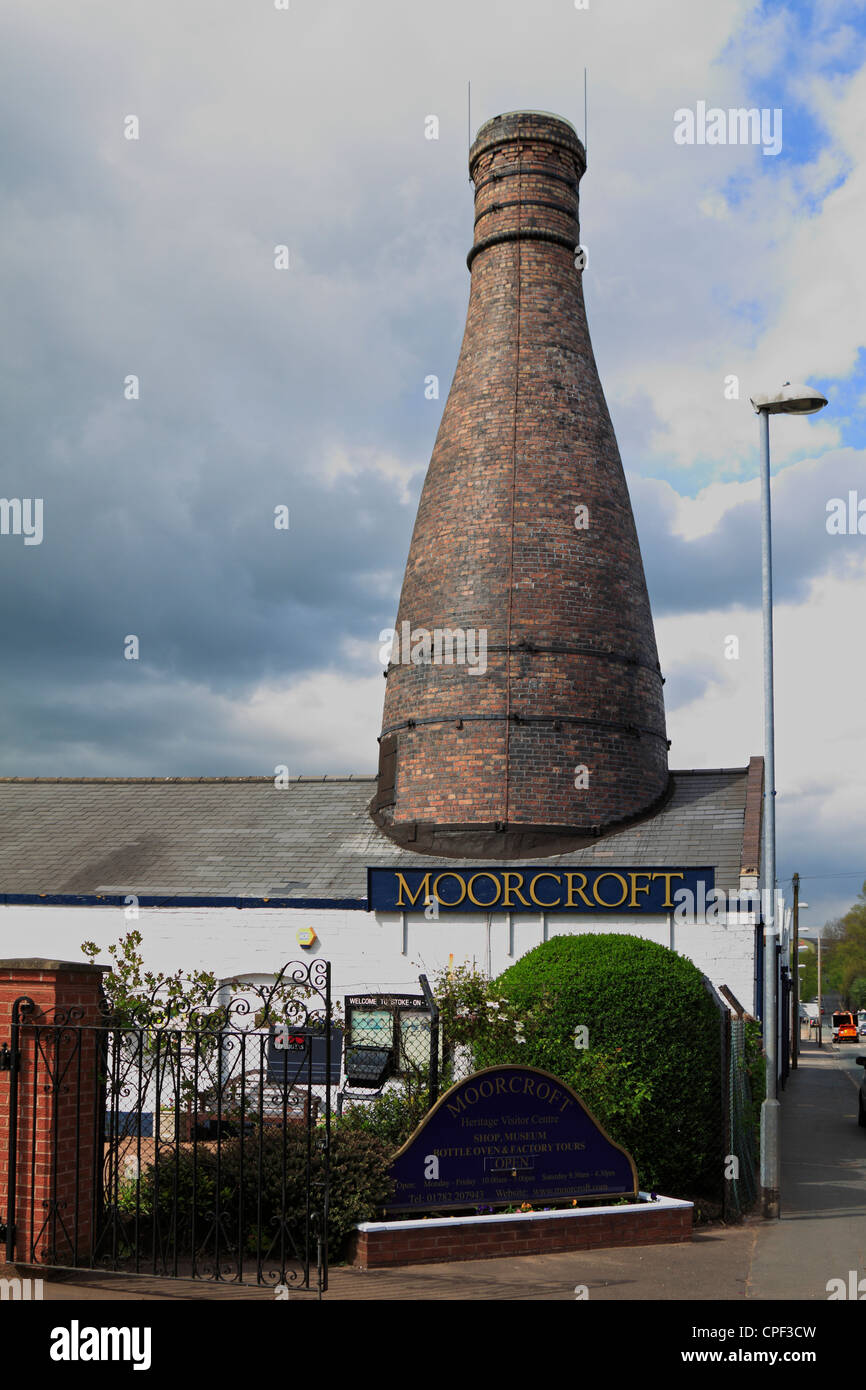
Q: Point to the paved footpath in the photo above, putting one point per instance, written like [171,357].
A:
[821,1233]
[711,1266]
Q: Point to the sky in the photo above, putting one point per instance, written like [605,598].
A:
[303,388]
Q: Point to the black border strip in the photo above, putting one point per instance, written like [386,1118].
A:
[172,900]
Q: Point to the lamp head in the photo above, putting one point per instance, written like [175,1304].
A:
[791,400]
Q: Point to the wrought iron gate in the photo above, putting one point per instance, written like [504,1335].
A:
[197,1148]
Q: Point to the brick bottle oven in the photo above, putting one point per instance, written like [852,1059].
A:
[524,539]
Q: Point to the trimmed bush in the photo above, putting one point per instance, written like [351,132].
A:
[652,1073]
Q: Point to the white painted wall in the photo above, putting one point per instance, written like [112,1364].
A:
[369,952]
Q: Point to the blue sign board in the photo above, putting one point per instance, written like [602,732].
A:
[542,889]
[508,1135]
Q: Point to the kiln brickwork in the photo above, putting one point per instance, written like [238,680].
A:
[486,765]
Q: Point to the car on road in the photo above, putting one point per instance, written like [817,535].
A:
[844,1028]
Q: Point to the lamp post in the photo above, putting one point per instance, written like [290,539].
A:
[820,1000]
[791,400]
[795,1031]
[817,933]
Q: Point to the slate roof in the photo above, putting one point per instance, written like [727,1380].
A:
[311,841]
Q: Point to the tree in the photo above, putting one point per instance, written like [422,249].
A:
[845,954]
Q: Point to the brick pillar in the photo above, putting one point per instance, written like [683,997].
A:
[58,1104]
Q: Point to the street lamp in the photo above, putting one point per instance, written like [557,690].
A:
[818,933]
[795,1013]
[791,400]
[798,907]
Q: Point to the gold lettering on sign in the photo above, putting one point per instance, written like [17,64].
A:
[667,878]
[579,890]
[635,888]
[438,895]
[506,880]
[491,902]
[534,896]
[600,900]
[510,889]
[404,888]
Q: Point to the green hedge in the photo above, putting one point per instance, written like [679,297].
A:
[652,1074]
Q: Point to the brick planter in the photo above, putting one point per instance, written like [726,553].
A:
[380,1244]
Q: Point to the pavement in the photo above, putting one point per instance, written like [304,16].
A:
[821,1234]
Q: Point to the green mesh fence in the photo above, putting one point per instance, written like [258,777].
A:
[741,1187]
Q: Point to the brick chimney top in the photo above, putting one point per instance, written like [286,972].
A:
[539,124]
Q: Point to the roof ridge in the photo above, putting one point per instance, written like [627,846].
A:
[301,777]
[161,781]
[708,771]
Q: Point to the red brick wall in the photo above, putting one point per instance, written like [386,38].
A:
[57,1108]
[750,855]
[525,437]
[434,1244]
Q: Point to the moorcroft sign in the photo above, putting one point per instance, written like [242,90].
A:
[533,889]
[508,1134]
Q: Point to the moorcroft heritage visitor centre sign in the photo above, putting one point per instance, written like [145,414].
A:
[506,1135]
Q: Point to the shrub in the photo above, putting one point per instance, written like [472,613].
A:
[391,1117]
[186,1184]
[359,1185]
[652,1072]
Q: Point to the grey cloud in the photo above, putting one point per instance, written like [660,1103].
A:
[723,568]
